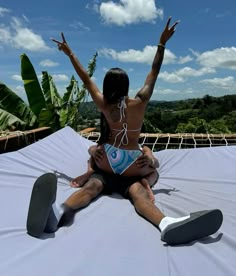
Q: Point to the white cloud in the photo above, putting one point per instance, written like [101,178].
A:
[224,83]
[221,57]
[60,77]
[182,74]
[170,77]
[185,59]
[190,72]
[18,36]
[48,63]
[137,56]
[16,77]
[26,18]
[129,11]
[94,6]
[79,25]
[20,89]
[168,91]
[3,11]
[25,38]
[5,35]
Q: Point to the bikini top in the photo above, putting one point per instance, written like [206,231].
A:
[124,138]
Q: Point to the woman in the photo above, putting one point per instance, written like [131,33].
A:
[122,116]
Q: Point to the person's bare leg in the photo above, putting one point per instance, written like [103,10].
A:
[143,205]
[149,181]
[175,230]
[63,215]
[85,195]
[78,200]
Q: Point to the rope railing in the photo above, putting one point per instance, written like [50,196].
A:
[14,140]
[10,141]
[159,141]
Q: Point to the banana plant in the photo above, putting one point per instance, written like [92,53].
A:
[46,106]
[32,87]
[14,112]
[9,121]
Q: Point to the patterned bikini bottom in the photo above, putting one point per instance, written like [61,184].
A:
[121,159]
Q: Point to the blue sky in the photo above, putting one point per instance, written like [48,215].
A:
[200,58]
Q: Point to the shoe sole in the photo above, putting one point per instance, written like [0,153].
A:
[42,197]
[200,224]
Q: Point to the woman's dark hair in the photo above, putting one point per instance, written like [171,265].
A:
[115,87]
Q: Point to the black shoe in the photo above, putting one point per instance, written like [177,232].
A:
[42,197]
[199,225]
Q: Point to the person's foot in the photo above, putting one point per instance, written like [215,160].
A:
[42,198]
[79,181]
[198,225]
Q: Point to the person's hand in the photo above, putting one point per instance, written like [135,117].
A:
[63,46]
[98,154]
[168,31]
[144,160]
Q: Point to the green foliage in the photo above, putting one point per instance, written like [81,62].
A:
[206,115]
[46,106]
[196,125]
[149,128]
[9,121]
[12,104]
[32,87]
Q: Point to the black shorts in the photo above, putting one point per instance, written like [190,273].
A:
[115,183]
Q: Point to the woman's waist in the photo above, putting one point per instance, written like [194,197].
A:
[130,146]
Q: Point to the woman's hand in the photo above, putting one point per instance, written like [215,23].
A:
[97,153]
[63,46]
[144,160]
[168,31]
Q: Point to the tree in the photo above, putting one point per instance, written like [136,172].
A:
[46,107]
[196,125]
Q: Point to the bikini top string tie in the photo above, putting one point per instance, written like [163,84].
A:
[122,105]
[124,138]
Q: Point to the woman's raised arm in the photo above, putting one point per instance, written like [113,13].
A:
[146,92]
[95,93]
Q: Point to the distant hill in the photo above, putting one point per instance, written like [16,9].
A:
[214,113]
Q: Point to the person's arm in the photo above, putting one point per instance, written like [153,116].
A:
[153,161]
[147,159]
[146,92]
[82,73]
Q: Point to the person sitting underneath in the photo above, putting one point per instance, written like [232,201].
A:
[145,166]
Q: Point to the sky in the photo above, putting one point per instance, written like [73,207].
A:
[199,59]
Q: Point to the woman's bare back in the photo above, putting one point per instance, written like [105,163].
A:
[126,123]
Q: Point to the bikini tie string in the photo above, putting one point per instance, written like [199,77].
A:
[122,105]
[124,138]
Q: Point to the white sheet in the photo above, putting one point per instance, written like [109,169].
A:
[108,237]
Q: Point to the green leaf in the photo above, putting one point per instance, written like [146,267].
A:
[13,104]
[32,86]
[9,121]
[50,91]
[92,65]
[49,117]
[68,96]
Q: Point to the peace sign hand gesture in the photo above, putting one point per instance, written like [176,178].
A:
[168,31]
[63,46]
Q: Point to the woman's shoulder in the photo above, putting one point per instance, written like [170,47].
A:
[135,102]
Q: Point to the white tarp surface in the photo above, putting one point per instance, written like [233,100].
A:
[108,237]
